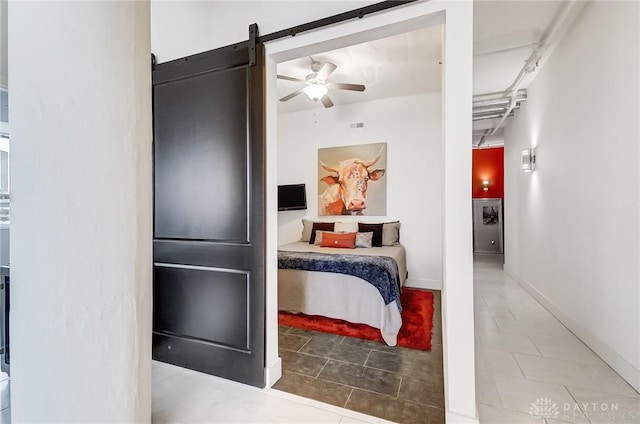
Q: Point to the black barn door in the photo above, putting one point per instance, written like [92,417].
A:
[209,215]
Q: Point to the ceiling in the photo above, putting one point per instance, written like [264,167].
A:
[505,34]
[401,65]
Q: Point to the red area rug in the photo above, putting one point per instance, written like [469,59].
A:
[417,322]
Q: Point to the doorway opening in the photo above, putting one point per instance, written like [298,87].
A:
[456,260]
[395,127]
[488,193]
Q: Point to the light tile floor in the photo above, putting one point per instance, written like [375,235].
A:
[5,399]
[185,396]
[528,362]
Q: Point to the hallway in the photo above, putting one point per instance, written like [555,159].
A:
[528,363]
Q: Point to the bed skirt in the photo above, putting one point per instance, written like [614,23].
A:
[338,296]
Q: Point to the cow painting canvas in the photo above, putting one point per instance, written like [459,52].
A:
[352,180]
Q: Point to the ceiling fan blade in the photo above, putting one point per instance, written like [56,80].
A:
[286,78]
[291,96]
[326,70]
[343,86]
[326,101]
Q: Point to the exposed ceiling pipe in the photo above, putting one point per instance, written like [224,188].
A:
[533,61]
[484,109]
[488,109]
[522,95]
[483,135]
[529,66]
[492,116]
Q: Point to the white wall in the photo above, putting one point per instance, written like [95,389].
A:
[81,212]
[572,226]
[4,75]
[182,28]
[411,127]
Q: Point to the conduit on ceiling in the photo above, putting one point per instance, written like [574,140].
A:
[502,105]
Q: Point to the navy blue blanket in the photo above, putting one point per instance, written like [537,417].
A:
[379,271]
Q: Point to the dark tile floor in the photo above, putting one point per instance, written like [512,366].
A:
[395,383]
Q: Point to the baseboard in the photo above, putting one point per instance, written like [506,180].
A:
[624,368]
[273,373]
[454,418]
[507,270]
[423,283]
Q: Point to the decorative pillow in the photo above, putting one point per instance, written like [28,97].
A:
[346,227]
[318,240]
[377,232]
[306,229]
[391,233]
[322,226]
[364,239]
[319,234]
[343,240]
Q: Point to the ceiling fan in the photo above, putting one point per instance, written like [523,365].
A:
[316,86]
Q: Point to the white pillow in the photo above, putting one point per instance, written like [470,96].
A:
[364,239]
[318,240]
[306,230]
[345,227]
[391,233]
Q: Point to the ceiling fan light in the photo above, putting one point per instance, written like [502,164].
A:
[315,91]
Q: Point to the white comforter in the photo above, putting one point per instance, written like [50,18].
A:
[341,296]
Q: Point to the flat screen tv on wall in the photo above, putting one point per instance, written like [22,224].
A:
[292,197]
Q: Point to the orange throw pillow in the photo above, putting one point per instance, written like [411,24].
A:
[344,240]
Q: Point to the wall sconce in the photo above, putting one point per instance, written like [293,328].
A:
[528,159]
[485,185]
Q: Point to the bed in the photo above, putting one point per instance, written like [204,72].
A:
[342,296]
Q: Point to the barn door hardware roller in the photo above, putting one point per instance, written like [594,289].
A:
[253,34]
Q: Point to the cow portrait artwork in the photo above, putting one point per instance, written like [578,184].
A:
[349,179]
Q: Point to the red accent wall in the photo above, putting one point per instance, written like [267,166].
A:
[488,164]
